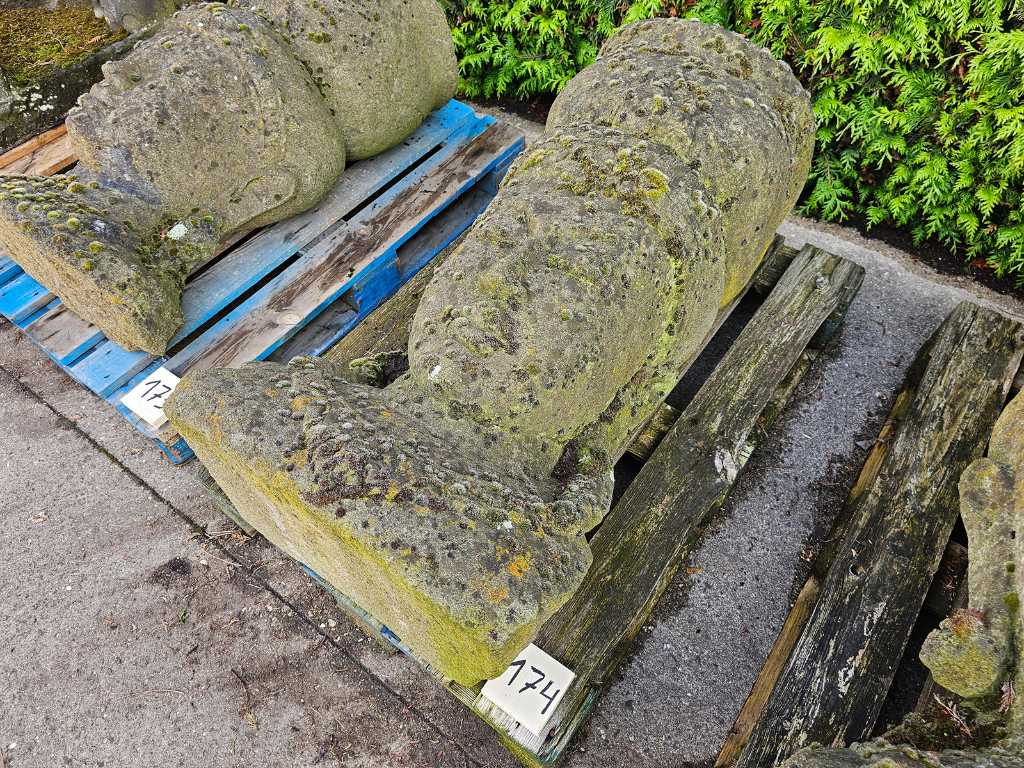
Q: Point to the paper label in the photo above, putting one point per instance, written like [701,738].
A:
[530,689]
[146,400]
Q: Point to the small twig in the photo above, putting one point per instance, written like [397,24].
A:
[246,709]
[954,715]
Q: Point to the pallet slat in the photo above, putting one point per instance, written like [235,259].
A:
[43,155]
[904,506]
[641,542]
[358,245]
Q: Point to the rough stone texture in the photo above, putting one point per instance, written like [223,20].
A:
[976,652]
[883,755]
[453,506]
[227,119]
[134,15]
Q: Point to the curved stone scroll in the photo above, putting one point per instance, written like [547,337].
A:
[230,117]
[452,504]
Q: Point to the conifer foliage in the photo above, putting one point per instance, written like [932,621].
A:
[919,103]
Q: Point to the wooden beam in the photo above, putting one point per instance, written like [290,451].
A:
[754,706]
[43,155]
[643,539]
[903,509]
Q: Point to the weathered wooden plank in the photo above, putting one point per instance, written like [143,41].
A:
[754,706]
[328,267]
[64,335]
[903,508]
[641,542]
[39,154]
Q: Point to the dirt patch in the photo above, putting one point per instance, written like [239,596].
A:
[174,571]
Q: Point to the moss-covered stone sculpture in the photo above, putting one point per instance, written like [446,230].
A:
[452,503]
[881,754]
[978,653]
[230,117]
[135,15]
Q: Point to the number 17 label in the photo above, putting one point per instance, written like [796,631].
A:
[530,689]
[147,398]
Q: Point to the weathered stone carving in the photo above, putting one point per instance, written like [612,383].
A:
[452,503]
[977,653]
[881,754]
[227,119]
[134,15]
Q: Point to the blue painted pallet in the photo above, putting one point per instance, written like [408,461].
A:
[298,286]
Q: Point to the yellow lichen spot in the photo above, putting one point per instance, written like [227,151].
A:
[497,594]
[519,566]
[657,183]
[300,402]
[299,458]
[392,492]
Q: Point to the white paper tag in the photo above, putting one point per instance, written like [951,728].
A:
[147,398]
[530,689]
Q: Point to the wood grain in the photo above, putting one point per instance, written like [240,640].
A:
[903,509]
[643,539]
[43,155]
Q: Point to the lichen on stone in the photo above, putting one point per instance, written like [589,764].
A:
[978,653]
[225,119]
[453,503]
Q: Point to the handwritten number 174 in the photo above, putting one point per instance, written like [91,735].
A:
[534,684]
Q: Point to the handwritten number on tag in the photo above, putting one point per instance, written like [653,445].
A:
[530,689]
[550,697]
[156,391]
[518,664]
[530,686]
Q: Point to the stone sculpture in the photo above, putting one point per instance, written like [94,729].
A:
[230,117]
[135,15]
[978,653]
[452,503]
[881,754]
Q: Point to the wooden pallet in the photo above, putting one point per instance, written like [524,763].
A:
[830,671]
[295,287]
[687,474]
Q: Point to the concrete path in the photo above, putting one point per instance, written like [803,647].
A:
[138,627]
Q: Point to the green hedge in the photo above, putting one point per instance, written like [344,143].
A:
[920,103]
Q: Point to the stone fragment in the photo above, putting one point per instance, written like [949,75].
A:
[881,754]
[452,504]
[228,118]
[134,15]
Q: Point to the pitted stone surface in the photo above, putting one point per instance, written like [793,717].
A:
[538,349]
[395,509]
[232,117]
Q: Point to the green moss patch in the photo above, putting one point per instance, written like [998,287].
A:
[35,42]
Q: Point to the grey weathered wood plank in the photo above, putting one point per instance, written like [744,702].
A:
[902,511]
[340,253]
[640,544]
